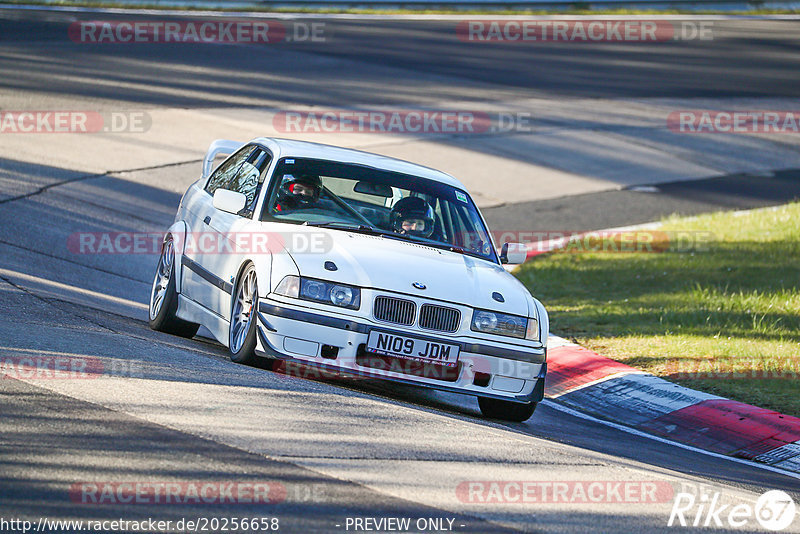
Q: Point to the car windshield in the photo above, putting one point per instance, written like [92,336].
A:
[357,197]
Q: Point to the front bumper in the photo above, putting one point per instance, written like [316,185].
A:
[336,344]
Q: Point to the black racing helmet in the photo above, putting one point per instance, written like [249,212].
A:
[312,181]
[413,208]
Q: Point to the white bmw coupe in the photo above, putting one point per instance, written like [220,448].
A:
[351,262]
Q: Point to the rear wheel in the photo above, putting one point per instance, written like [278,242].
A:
[164,297]
[506,410]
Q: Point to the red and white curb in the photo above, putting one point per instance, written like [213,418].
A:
[609,390]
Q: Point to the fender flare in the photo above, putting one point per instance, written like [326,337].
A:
[263,265]
[178,233]
[544,322]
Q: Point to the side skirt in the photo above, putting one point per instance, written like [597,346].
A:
[189,310]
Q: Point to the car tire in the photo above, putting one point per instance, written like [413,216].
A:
[164,297]
[243,325]
[506,410]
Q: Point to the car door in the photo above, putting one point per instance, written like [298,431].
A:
[198,284]
[232,231]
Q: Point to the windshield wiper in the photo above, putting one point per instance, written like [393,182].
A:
[432,243]
[372,230]
[336,224]
[453,248]
[445,246]
[363,228]
[360,228]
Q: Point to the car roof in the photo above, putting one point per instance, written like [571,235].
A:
[305,149]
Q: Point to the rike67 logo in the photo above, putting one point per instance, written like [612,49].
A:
[774,510]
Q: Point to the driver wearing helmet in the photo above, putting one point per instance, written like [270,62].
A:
[300,192]
[413,216]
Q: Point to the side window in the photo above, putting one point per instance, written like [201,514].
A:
[475,239]
[249,178]
[222,177]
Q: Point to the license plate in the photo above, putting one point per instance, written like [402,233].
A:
[412,349]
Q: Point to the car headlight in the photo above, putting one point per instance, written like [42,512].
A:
[315,290]
[503,324]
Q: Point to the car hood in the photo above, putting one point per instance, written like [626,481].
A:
[389,264]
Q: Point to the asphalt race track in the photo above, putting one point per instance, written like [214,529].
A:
[167,409]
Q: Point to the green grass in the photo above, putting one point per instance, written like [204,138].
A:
[572,9]
[691,316]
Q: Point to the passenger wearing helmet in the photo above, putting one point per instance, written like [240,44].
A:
[413,216]
[300,192]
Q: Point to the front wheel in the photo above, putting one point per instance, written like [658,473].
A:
[506,410]
[244,311]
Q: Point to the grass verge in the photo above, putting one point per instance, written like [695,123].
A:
[723,317]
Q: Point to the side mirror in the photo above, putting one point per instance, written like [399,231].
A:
[513,253]
[230,201]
